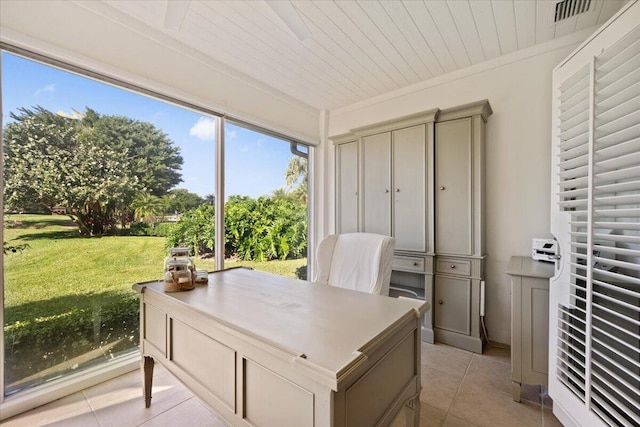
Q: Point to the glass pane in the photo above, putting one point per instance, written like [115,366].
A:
[98,182]
[266,202]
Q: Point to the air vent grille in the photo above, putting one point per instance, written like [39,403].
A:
[568,8]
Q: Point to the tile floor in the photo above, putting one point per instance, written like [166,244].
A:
[460,389]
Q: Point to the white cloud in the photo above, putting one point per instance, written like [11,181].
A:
[205,129]
[245,149]
[230,135]
[46,89]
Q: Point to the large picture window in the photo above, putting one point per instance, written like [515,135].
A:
[98,182]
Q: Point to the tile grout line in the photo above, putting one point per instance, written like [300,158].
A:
[466,371]
[165,411]
[93,412]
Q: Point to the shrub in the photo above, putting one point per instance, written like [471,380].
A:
[194,229]
[265,228]
[36,342]
[162,229]
[259,229]
[139,229]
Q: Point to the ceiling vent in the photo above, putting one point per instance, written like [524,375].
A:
[568,8]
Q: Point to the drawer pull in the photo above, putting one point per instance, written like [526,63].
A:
[452,266]
[440,302]
[415,263]
[442,188]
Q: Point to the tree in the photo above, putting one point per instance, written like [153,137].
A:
[181,200]
[147,207]
[296,178]
[92,166]
[153,158]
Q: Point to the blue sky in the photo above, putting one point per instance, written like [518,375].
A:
[255,163]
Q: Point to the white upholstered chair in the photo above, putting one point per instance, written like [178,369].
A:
[358,261]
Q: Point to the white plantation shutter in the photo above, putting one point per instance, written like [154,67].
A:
[595,363]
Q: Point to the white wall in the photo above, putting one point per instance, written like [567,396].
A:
[518,151]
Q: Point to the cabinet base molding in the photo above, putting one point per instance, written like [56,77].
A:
[468,343]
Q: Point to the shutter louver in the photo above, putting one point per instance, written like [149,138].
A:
[573,171]
[615,334]
[599,186]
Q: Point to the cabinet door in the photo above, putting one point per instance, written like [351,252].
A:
[453,304]
[409,188]
[535,330]
[453,202]
[347,187]
[376,185]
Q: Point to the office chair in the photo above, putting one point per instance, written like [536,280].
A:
[358,261]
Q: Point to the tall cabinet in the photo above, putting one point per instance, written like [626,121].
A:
[419,178]
[459,225]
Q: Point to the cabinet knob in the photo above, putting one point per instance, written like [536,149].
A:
[442,187]
[397,190]
[415,263]
[452,266]
[440,302]
[386,190]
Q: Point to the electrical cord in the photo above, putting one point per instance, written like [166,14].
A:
[486,336]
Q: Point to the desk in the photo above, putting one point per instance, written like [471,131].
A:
[266,350]
[529,322]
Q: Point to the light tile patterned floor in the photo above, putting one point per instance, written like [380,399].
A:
[460,389]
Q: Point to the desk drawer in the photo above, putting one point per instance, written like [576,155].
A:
[408,263]
[455,266]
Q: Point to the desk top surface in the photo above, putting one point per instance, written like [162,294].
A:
[328,325]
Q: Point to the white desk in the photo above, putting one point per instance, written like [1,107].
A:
[266,350]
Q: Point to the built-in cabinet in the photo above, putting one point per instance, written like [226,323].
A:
[420,179]
[459,225]
[347,185]
[393,170]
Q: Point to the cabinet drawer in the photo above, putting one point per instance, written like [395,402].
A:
[408,263]
[453,266]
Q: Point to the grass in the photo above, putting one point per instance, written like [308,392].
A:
[64,281]
[58,262]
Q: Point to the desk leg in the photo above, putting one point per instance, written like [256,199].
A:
[148,379]
[412,412]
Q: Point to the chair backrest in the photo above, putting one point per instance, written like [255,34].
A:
[358,261]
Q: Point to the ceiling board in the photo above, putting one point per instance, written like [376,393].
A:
[407,26]
[486,25]
[525,14]
[356,49]
[503,12]
[431,34]
[448,30]
[391,32]
[466,25]
[375,31]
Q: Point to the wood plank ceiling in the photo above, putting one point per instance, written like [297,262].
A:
[357,49]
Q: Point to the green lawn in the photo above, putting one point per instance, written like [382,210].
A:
[66,295]
[60,263]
